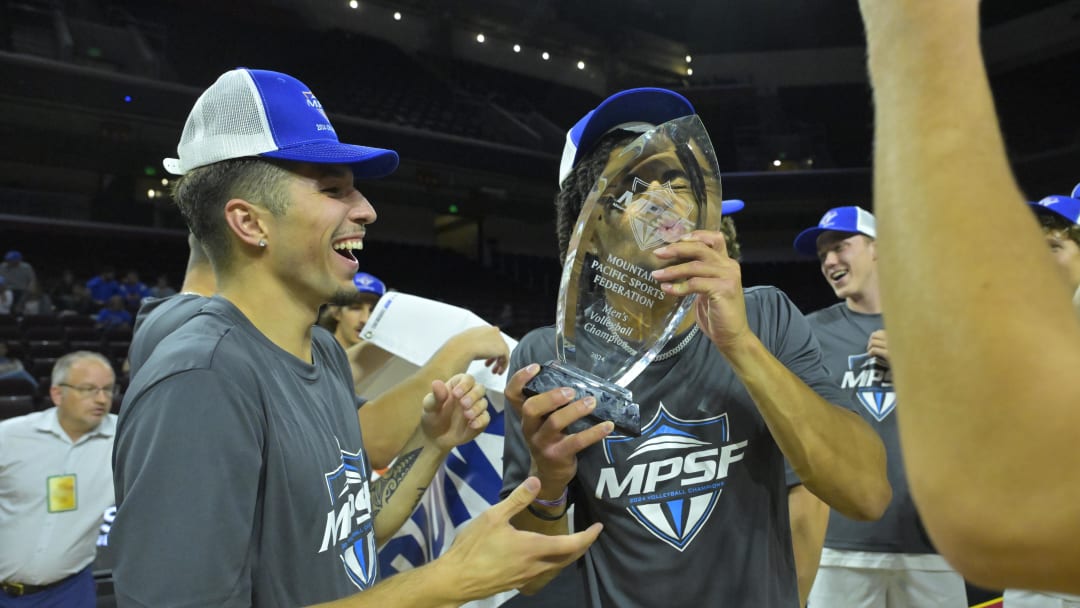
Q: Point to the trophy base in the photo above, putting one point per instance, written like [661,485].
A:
[613,403]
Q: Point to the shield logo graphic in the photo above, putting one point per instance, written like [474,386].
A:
[673,471]
[348,484]
[874,392]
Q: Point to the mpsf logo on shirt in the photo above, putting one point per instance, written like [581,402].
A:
[671,477]
[350,522]
[872,380]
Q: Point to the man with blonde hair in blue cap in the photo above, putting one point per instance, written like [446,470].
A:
[695,509]
[888,563]
[240,470]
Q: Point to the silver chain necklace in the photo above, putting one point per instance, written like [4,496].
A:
[664,356]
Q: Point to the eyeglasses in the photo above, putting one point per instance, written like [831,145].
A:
[89,390]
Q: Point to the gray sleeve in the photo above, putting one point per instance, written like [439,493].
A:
[787,334]
[188,469]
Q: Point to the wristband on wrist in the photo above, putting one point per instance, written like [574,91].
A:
[537,513]
[558,502]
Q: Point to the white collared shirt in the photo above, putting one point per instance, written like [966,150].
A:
[53,494]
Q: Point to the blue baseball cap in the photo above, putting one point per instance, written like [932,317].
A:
[839,219]
[366,283]
[269,114]
[12,256]
[1064,206]
[637,110]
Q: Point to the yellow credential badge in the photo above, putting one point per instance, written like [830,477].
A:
[61,493]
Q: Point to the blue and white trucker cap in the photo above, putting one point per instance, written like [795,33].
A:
[269,114]
[366,283]
[634,110]
[1064,206]
[840,219]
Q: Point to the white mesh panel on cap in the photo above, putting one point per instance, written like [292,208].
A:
[228,121]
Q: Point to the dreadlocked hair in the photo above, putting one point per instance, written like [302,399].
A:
[579,183]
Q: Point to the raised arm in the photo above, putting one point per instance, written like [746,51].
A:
[833,451]
[982,340]
[390,419]
[453,413]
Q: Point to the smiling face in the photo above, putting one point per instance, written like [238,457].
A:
[312,245]
[351,319]
[849,264]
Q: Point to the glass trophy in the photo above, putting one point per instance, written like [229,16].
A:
[612,318]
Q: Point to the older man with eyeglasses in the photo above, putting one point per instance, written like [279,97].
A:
[55,484]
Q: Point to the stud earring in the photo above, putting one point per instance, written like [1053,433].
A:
[262,243]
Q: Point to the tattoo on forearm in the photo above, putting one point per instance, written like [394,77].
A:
[384,487]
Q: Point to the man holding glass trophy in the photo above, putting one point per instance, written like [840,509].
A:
[668,396]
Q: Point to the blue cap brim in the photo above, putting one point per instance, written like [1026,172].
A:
[1071,204]
[650,105]
[365,162]
[731,205]
[806,242]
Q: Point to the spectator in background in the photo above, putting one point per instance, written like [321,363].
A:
[6,298]
[133,291]
[36,302]
[62,289]
[55,485]
[162,289]
[13,368]
[81,302]
[104,286]
[18,274]
[114,314]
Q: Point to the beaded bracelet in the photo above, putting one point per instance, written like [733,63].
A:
[558,502]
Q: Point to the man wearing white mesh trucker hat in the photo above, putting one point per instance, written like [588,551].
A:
[888,563]
[241,477]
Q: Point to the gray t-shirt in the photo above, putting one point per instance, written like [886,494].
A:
[867,385]
[695,511]
[240,472]
[157,318]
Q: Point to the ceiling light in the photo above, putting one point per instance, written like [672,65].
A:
[545,56]
[581,65]
[776,163]
[689,59]
[517,48]
[480,38]
[689,71]
[354,4]
[397,16]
